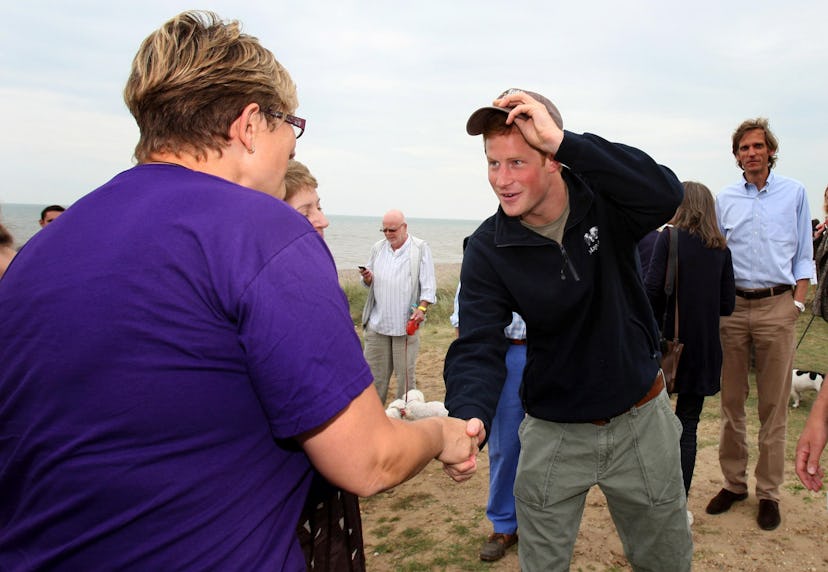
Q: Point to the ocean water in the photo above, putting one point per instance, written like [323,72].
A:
[349,237]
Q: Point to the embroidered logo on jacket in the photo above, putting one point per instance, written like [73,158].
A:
[591,240]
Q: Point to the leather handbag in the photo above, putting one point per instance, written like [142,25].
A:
[671,348]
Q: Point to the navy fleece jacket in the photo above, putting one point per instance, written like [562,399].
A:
[592,340]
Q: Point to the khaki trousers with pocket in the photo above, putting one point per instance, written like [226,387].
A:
[635,461]
[387,354]
[769,324]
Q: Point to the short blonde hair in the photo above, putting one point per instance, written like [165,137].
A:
[298,177]
[192,78]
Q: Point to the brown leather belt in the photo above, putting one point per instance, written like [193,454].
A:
[763,292]
[655,389]
[515,342]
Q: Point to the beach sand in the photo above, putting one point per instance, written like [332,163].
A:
[432,523]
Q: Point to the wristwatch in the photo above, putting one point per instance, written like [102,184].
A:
[799,305]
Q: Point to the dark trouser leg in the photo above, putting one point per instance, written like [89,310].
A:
[688,410]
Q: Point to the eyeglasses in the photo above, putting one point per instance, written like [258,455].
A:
[297,123]
[389,229]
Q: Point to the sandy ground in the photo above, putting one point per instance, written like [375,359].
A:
[432,523]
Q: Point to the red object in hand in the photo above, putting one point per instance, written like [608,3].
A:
[411,326]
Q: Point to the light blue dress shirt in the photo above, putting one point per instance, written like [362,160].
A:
[514,331]
[768,232]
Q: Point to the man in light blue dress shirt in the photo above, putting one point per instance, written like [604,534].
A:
[767,223]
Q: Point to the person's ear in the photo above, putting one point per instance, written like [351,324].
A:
[552,165]
[246,126]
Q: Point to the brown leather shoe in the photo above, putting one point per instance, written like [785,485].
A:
[723,501]
[768,518]
[495,546]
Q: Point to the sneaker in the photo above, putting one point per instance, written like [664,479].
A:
[690,518]
[495,546]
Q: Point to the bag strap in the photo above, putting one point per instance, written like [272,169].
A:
[674,255]
[672,262]
[671,281]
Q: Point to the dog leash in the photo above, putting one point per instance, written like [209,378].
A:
[403,411]
[411,328]
[802,337]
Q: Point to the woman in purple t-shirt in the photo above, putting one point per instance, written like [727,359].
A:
[168,389]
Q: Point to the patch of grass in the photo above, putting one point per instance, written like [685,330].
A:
[383,548]
[438,314]
[794,487]
[415,547]
[411,501]
[382,531]
[356,294]
[414,567]
[412,533]
[462,555]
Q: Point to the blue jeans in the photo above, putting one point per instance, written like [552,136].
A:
[504,445]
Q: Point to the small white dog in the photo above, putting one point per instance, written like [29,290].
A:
[414,406]
[802,380]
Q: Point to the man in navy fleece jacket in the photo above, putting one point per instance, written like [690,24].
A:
[560,251]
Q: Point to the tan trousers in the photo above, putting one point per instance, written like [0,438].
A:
[386,354]
[770,325]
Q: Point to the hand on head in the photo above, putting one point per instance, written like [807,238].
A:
[533,120]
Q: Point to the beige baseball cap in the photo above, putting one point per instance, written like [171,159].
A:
[474,126]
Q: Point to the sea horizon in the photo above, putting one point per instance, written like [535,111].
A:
[349,237]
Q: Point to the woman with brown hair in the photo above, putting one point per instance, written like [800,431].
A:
[706,291]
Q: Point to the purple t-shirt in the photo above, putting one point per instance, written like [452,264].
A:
[161,343]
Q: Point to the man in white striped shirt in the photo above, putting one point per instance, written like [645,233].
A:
[402,284]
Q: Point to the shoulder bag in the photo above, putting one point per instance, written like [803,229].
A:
[671,348]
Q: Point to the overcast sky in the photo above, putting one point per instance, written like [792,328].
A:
[387,87]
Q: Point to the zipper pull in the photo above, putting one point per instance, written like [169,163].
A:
[568,264]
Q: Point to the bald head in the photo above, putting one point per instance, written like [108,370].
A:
[395,228]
